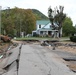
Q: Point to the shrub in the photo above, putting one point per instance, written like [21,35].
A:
[73,38]
[35,35]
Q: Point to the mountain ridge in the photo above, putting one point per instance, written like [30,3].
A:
[39,15]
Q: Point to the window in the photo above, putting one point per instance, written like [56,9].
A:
[40,26]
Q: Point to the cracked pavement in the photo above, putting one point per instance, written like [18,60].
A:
[37,60]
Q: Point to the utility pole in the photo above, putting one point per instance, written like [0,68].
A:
[0,22]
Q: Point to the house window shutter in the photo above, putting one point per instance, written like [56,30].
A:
[40,26]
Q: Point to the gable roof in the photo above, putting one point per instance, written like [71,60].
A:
[43,22]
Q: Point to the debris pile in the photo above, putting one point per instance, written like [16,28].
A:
[9,62]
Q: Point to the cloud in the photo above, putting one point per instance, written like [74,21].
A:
[42,5]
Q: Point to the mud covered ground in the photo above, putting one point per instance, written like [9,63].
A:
[3,47]
[69,47]
[64,48]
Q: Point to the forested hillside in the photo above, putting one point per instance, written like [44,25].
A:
[17,20]
[39,15]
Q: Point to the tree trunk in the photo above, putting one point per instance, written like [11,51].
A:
[60,32]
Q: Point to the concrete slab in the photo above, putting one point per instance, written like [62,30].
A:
[10,73]
[10,62]
[3,62]
[2,71]
[13,57]
[13,66]
[36,60]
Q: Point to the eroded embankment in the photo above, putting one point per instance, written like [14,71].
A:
[9,63]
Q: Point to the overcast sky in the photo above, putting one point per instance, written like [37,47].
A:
[42,5]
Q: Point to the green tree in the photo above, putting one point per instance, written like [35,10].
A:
[68,27]
[18,20]
[7,23]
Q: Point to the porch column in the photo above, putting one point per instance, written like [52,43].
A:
[47,32]
[61,32]
[39,32]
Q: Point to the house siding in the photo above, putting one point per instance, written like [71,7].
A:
[46,28]
[41,26]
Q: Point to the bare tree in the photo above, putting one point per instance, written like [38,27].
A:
[56,18]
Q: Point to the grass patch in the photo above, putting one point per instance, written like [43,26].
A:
[33,38]
[64,39]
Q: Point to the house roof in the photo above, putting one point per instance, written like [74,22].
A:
[43,22]
[45,29]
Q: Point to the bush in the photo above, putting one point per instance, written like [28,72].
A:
[73,38]
[35,35]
